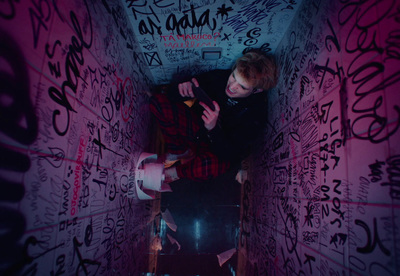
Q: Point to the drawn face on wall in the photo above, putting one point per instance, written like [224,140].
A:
[238,86]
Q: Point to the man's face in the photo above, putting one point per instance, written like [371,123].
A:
[237,86]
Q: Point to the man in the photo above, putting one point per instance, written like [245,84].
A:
[210,140]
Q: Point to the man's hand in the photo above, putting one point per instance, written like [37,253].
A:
[185,88]
[210,117]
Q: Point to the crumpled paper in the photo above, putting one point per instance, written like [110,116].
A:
[169,220]
[225,256]
[174,241]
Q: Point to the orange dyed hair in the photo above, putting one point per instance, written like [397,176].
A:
[258,68]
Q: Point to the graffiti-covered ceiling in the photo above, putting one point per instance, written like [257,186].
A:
[189,37]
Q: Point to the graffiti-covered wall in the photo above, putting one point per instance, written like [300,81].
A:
[73,122]
[176,35]
[323,195]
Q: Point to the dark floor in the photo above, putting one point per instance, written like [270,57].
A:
[207,219]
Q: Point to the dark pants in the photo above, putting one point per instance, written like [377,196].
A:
[180,126]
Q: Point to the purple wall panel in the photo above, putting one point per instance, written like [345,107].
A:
[73,123]
[322,196]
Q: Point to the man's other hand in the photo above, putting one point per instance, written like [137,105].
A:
[185,88]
